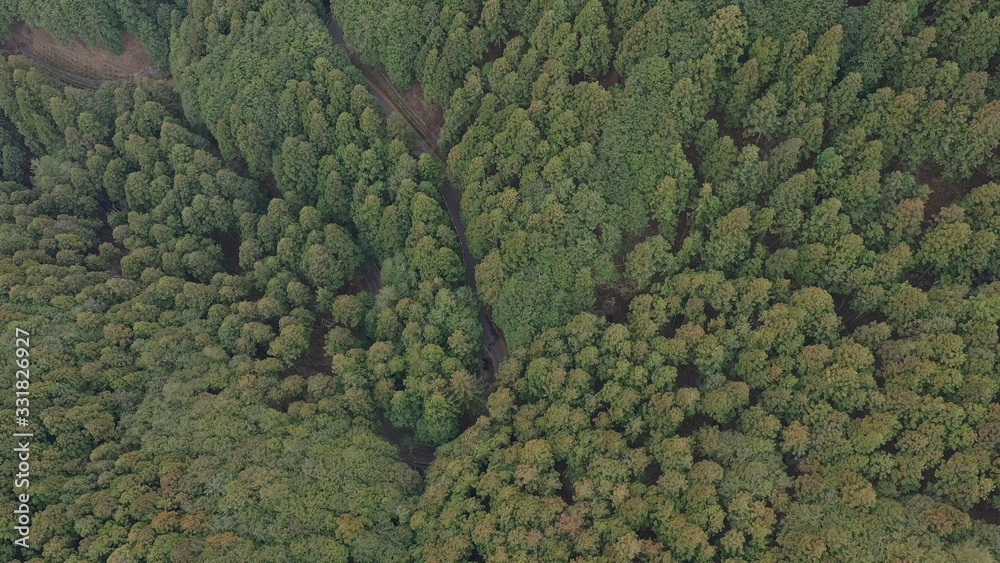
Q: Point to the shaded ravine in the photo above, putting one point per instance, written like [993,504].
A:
[390,100]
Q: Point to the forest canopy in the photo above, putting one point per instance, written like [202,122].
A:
[578,280]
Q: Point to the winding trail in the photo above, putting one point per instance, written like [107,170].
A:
[391,99]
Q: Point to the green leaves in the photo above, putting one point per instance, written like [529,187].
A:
[729,241]
[954,249]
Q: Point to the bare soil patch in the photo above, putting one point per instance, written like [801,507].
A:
[314,360]
[494,52]
[613,302]
[432,116]
[611,79]
[985,512]
[368,278]
[79,58]
[943,191]
[416,455]
[852,319]
[230,245]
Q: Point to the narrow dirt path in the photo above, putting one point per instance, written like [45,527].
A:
[391,99]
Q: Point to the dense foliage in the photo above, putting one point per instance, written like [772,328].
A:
[745,256]
[135,245]
[97,23]
[787,215]
[115,257]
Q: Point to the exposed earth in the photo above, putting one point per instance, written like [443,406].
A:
[90,62]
